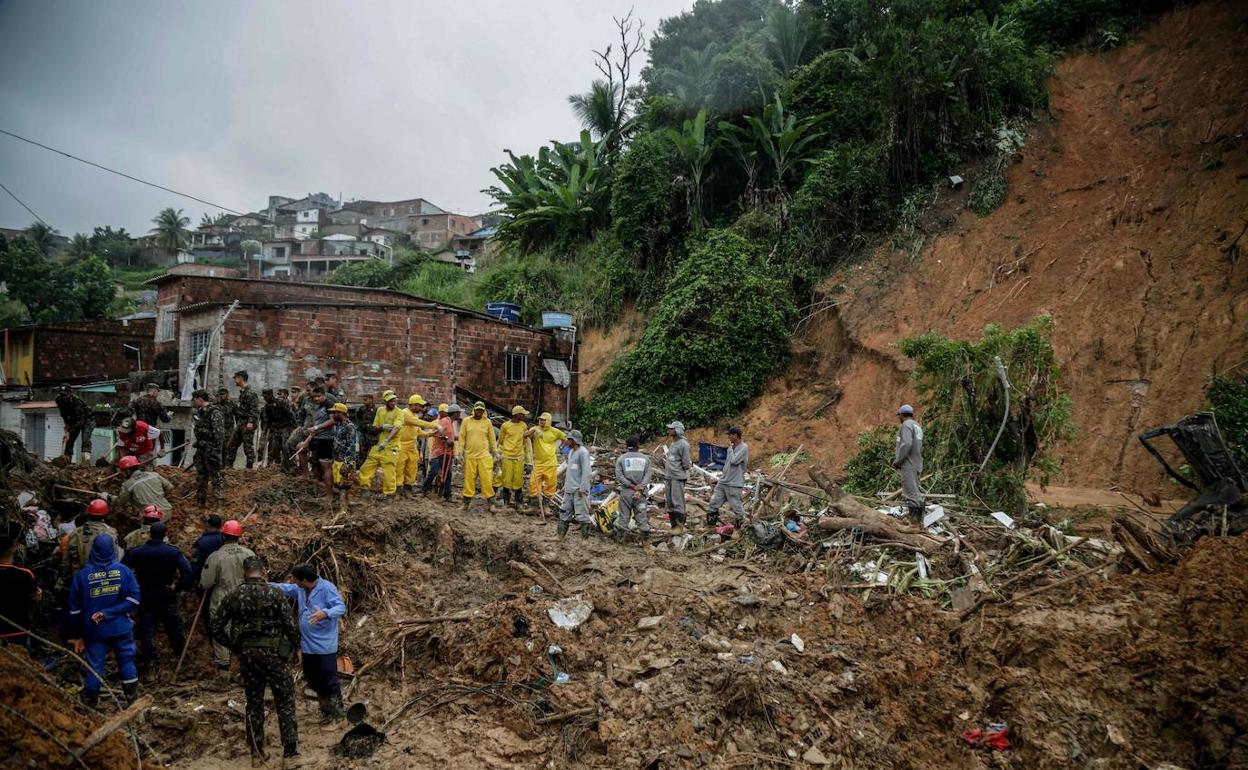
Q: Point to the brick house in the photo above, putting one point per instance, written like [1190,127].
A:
[286,332]
[77,351]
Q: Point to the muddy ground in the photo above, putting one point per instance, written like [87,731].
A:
[1126,672]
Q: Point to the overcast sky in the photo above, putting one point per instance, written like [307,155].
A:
[234,100]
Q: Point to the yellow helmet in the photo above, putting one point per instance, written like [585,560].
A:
[339,407]
[517,409]
[442,407]
[479,405]
[416,399]
[545,416]
[389,394]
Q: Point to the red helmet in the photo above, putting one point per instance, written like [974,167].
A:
[233,528]
[97,507]
[129,461]
[153,512]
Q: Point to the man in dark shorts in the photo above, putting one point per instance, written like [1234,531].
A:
[320,440]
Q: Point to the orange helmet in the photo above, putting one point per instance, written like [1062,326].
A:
[153,512]
[98,508]
[129,461]
[233,528]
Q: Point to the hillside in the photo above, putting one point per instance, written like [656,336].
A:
[1123,222]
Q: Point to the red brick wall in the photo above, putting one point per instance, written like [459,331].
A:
[91,350]
[189,290]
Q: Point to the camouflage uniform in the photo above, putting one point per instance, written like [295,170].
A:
[277,419]
[257,623]
[209,425]
[76,417]
[137,537]
[305,414]
[78,547]
[368,433]
[246,410]
[149,410]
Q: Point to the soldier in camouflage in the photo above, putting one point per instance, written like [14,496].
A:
[78,547]
[277,419]
[247,411]
[230,411]
[76,416]
[333,391]
[368,433]
[209,428]
[305,414]
[257,623]
[148,408]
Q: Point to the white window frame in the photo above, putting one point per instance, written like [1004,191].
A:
[510,363]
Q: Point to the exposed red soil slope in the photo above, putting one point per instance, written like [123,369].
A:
[1122,219]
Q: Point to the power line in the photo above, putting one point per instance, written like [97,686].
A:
[22,204]
[115,171]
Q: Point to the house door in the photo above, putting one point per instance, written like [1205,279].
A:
[36,434]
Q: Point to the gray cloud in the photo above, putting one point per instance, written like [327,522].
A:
[234,100]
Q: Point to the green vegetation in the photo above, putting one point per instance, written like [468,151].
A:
[170,230]
[134,278]
[1228,399]
[963,405]
[40,291]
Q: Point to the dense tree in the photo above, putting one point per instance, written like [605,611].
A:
[79,247]
[115,247]
[170,230]
[43,237]
[47,292]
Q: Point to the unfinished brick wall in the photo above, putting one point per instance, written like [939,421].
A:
[91,350]
[394,341]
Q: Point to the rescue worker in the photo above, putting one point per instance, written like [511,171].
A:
[318,605]
[223,572]
[517,453]
[732,481]
[632,475]
[137,438]
[277,420]
[364,427]
[908,458]
[76,416]
[341,473]
[544,479]
[333,391]
[305,416]
[676,467]
[205,545]
[247,412]
[208,424]
[142,487]
[413,428]
[102,597]
[161,570]
[148,408]
[229,410]
[385,454]
[78,547]
[136,538]
[442,455]
[255,621]
[576,483]
[480,451]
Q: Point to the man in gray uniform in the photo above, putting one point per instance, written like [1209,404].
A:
[732,482]
[676,467]
[909,460]
[632,474]
[576,481]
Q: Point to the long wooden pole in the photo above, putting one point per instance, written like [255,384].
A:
[187,644]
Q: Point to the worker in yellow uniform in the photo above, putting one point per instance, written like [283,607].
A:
[480,449]
[545,439]
[517,453]
[385,453]
[412,429]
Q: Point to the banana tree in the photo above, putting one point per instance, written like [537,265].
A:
[783,140]
[696,151]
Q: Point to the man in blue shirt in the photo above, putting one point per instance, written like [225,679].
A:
[161,570]
[319,608]
[101,598]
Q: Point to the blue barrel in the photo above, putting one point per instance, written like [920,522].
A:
[504,311]
[555,320]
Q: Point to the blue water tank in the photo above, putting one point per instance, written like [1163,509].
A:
[504,311]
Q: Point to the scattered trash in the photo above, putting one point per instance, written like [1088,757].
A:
[725,530]
[1004,519]
[746,660]
[777,666]
[995,736]
[23,498]
[934,514]
[563,677]
[797,643]
[554,650]
[815,757]
[869,571]
[535,589]
[766,535]
[649,623]
[680,541]
[571,612]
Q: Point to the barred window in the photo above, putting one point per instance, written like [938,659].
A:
[166,322]
[516,367]
[199,342]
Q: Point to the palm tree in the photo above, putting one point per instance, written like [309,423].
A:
[690,81]
[170,230]
[43,236]
[787,38]
[79,247]
[694,149]
[597,109]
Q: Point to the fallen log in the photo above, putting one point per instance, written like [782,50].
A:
[531,574]
[114,723]
[855,515]
[574,713]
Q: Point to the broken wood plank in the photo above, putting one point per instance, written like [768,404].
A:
[573,714]
[547,586]
[112,725]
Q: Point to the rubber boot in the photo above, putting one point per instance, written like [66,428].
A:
[336,711]
[916,514]
[643,538]
[506,494]
[712,519]
[586,528]
[467,502]
[519,499]
[131,691]
[322,702]
[619,535]
[561,529]
[290,757]
[90,698]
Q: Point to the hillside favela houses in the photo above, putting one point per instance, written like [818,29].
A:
[310,236]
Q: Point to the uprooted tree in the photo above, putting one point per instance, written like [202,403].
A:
[964,410]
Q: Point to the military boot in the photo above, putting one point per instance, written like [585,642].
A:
[620,536]
[506,495]
[290,757]
[131,691]
[561,529]
[467,502]
[336,712]
[90,698]
[586,529]
[519,499]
